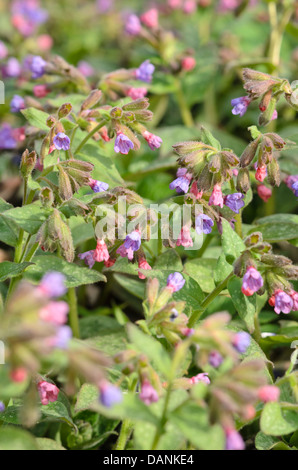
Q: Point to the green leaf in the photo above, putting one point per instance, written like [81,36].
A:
[193,422]
[57,411]
[48,444]
[276,421]
[75,275]
[208,138]
[278,231]
[87,398]
[133,286]
[8,228]
[151,348]
[232,244]
[12,438]
[169,261]
[29,218]
[245,306]
[10,270]
[9,389]
[191,293]
[201,270]
[111,343]
[36,118]
[264,442]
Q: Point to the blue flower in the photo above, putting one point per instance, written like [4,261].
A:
[61,141]
[123,144]
[235,202]
[204,224]
[37,67]
[145,71]
[16,104]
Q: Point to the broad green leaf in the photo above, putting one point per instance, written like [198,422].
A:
[9,270]
[222,270]
[12,438]
[264,442]
[8,228]
[57,411]
[36,118]
[232,244]
[191,294]
[209,139]
[201,270]
[276,421]
[169,261]
[245,306]
[193,422]
[133,286]
[111,343]
[95,325]
[29,218]
[151,348]
[75,275]
[87,398]
[278,231]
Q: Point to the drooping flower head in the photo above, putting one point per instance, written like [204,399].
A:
[235,202]
[182,182]
[145,72]
[98,186]
[125,253]
[88,257]
[61,141]
[123,144]
[295,188]
[37,66]
[53,284]
[261,173]
[101,252]
[216,198]
[133,240]
[185,237]
[148,394]
[48,392]
[143,264]
[240,105]
[241,341]
[283,302]
[294,296]
[252,281]
[175,282]
[133,25]
[154,141]
[204,224]
[264,192]
[188,63]
[109,394]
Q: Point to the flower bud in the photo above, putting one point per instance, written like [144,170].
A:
[28,163]
[64,110]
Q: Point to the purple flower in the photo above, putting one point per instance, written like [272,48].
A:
[16,104]
[12,68]
[234,201]
[148,394]
[88,257]
[283,302]
[200,378]
[145,71]
[2,407]
[252,281]
[295,188]
[133,25]
[86,69]
[27,15]
[154,141]
[240,105]
[62,338]
[7,139]
[215,359]
[124,253]
[175,282]
[104,6]
[61,141]
[133,241]
[53,284]
[37,67]
[234,440]
[3,50]
[204,224]
[241,341]
[182,182]
[110,395]
[123,144]
[98,186]
[290,180]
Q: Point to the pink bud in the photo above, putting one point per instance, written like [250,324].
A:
[150,18]
[188,63]
[143,265]
[264,192]
[45,42]
[148,394]
[40,91]
[269,393]
[185,237]
[216,198]
[194,190]
[189,6]
[137,93]
[101,252]
[55,313]
[261,173]
[18,375]
[48,392]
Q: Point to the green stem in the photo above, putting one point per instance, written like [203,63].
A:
[277,31]
[184,109]
[160,429]
[73,312]
[89,136]
[126,430]
[198,313]
[238,224]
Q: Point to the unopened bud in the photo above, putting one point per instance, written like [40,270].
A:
[64,110]
[28,163]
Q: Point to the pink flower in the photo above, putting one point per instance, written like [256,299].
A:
[18,375]
[188,63]
[269,393]
[189,6]
[195,191]
[154,141]
[185,237]
[261,173]
[148,394]
[175,4]
[48,392]
[264,192]
[125,252]
[101,252]
[143,265]
[40,91]
[216,198]
[55,313]
[200,378]
[88,257]
[137,93]
[150,18]
[294,296]
[45,42]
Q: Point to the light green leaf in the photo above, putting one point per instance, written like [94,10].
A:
[12,438]
[48,444]
[232,244]
[36,118]
[29,218]
[245,306]
[276,421]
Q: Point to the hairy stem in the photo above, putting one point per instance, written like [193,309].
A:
[89,136]
[73,312]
